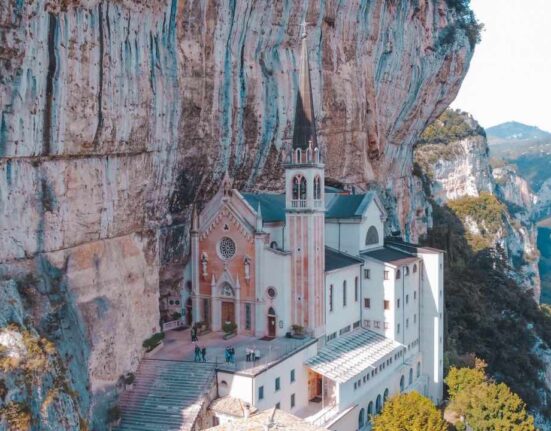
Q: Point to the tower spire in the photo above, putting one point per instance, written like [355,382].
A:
[305,123]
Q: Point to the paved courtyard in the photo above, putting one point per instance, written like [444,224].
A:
[178,346]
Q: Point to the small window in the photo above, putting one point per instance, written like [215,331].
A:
[248,316]
[277,384]
[414,267]
[331,298]
[398,329]
[407,323]
[367,273]
[367,303]
[292,376]
[418,369]
[407,299]
[414,295]
[367,323]
[356,324]
[171,302]
[398,274]
[406,270]
[261,393]
[386,305]
[372,236]
[398,303]
[386,275]
[344,293]
[278,406]
[177,302]
[292,400]
[415,318]
[356,289]
[377,324]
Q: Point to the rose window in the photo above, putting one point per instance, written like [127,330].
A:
[227,248]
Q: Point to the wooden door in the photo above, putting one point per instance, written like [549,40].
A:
[271,326]
[228,312]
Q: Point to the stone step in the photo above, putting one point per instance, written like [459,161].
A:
[166,396]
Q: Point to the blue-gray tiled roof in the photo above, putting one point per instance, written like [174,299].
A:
[272,205]
[335,259]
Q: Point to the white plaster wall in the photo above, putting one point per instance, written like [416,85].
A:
[404,289]
[275,230]
[373,288]
[238,386]
[342,316]
[283,371]
[276,272]
[432,322]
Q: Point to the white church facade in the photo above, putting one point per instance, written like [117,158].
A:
[314,260]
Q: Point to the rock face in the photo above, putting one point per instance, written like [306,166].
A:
[459,166]
[117,116]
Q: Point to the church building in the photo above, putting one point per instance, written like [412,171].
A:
[313,262]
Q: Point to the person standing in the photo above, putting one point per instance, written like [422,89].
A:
[204,353]
[197,354]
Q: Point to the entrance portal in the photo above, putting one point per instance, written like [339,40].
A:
[228,312]
[271,322]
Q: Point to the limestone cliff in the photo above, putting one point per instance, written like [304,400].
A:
[117,116]
[454,158]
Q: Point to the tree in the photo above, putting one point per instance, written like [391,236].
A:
[409,412]
[461,379]
[484,405]
[493,407]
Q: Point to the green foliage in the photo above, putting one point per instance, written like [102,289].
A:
[465,20]
[17,415]
[229,327]
[486,211]
[36,358]
[488,313]
[153,341]
[175,315]
[452,125]
[462,379]
[409,412]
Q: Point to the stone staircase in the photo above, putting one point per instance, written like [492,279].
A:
[167,396]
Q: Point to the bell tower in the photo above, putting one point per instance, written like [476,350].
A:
[305,210]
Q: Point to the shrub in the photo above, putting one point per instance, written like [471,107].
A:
[297,329]
[409,412]
[113,414]
[229,327]
[17,415]
[153,341]
[462,379]
[176,315]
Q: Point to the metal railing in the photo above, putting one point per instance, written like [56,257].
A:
[173,324]
[298,203]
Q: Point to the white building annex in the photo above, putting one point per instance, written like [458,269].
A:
[363,317]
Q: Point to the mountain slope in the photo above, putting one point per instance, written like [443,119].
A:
[118,116]
[514,131]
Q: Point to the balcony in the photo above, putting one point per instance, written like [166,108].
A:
[298,203]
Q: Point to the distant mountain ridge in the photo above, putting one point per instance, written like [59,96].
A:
[513,130]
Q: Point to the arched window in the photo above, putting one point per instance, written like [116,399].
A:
[410,376]
[273,245]
[372,236]
[418,369]
[385,396]
[296,187]
[406,270]
[398,274]
[402,383]
[414,267]
[356,289]
[378,405]
[361,419]
[370,410]
[303,189]
[271,312]
[317,188]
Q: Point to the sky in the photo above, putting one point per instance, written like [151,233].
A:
[510,74]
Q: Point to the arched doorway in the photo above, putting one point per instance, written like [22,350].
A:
[189,308]
[228,303]
[271,322]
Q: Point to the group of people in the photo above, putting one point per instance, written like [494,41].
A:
[252,355]
[230,354]
[200,353]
